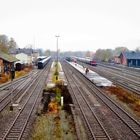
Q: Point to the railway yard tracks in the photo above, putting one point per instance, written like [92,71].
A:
[16,89]
[111,115]
[123,72]
[121,77]
[95,128]
[32,87]
[103,117]
[120,67]
[8,85]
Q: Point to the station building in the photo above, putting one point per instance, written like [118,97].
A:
[130,59]
[6,61]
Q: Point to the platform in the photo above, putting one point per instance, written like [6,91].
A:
[92,76]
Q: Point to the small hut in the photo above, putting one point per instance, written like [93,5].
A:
[6,61]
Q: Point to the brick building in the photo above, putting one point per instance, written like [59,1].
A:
[130,59]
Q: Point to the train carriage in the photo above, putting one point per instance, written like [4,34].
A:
[86,60]
[42,63]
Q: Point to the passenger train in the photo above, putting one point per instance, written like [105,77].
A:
[42,63]
[86,60]
[41,57]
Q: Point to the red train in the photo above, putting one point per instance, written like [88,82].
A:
[86,60]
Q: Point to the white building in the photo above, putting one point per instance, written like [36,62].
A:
[25,55]
[24,58]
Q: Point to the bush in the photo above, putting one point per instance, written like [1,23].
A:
[26,69]
[19,73]
[3,79]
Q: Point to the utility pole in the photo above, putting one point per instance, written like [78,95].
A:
[57,36]
[34,42]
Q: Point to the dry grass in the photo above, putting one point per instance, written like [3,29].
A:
[126,97]
[19,73]
[4,78]
[26,69]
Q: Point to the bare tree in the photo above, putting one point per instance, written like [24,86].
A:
[6,44]
[138,49]
[12,43]
[118,50]
[88,54]
[104,54]
[47,52]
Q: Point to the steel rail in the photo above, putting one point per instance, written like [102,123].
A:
[132,123]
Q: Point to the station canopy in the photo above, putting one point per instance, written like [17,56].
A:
[7,57]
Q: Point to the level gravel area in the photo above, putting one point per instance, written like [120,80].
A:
[54,126]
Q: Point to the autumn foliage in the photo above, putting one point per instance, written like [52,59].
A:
[53,107]
[4,77]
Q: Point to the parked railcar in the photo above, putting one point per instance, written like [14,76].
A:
[86,60]
[42,63]
[39,58]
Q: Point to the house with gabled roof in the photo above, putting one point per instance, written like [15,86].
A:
[25,55]
[6,61]
[130,59]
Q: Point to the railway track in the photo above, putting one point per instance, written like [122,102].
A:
[8,84]
[135,78]
[19,90]
[95,127]
[127,120]
[117,66]
[119,79]
[127,70]
[17,127]
[123,81]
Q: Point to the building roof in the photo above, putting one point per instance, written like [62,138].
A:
[27,51]
[132,55]
[7,57]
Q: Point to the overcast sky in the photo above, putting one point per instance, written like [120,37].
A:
[81,24]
